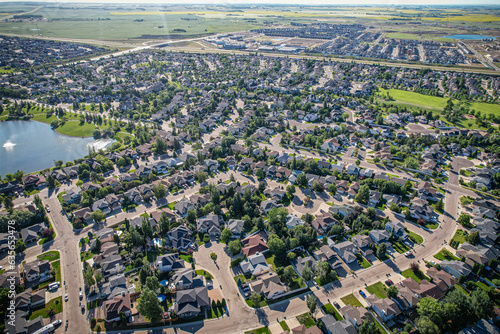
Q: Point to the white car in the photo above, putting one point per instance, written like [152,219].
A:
[47,208]
[66,297]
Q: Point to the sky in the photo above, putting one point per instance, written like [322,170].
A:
[297,2]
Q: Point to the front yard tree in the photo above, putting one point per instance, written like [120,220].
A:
[98,216]
[290,190]
[255,298]
[381,251]
[363,194]
[149,306]
[159,190]
[226,235]
[302,180]
[322,270]
[234,247]
[312,302]
[306,272]
[259,173]
[201,176]
[20,246]
[392,292]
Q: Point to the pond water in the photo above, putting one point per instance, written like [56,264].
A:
[479,37]
[32,146]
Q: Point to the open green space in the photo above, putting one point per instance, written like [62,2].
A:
[435,102]
[351,300]
[416,238]
[377,289]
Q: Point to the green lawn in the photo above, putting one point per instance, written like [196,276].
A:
[365,264]
[93,304]
[203,273]
[306,319]
[459,287]
[270,260]
[351,300]
[459,236]
[76,129]
[284,326]
[263,330]
[377,289]
[54,306]
[51,256]
[244,278]
[417,277]
[416,238]
[187,258]
[444,254]
[215,312]
[329,309]
[399,246]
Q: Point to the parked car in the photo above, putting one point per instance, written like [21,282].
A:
[81,294]
[336,305]
[362,294]
[47,208]
[389,282]
[66,297]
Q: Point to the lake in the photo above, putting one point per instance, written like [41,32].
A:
[33,146]
[479,37]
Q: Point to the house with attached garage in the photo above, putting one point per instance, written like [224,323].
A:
[385,308]
[209,224]
[379,236]
[269,285]
[183,206]
[114,307]
[236,227]
[169,262]
[346,250]
[191,302]
[255,265]
[37,270]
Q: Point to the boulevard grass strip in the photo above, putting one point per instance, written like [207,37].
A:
[306,319]
[263,330]
[329,309]
[51,256]
[445,254]
[377,289]
[365,264]
[351,300]
[54,306]
[419,276]
[284,326]
[416,238]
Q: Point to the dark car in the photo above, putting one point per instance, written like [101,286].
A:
[362,294]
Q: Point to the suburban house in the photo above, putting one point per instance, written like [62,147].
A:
[183,205]
[236,227]
[385,308]
[185,279]
[191,302]
[256,243]
[169,262]
[379,236]
[456,268]
[114,307]
[300,262]
[356,315]
[255,265]
[269,285]
[292,221]
[325,253]
[333,326]
[209,224]
[323,222]
[346,250]
[38,270]
[424,289]
[363,242]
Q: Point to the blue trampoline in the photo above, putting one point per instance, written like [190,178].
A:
[161,298]
[164,282]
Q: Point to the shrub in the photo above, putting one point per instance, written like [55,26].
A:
[93,322]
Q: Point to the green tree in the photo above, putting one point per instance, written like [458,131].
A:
[381,251]
[152,283]
[430,308]
[481,303]
[98,216]
[164,223]
[234,247]
[363,194]
[149,306]
[290,190]
[255,298]
[301,180]
[473,238]
[259,173]
[306,272]
[20,246]
[226,235]
[213,256]
[427,326]
[311,302]
[191,216]
[146,228]
[289,274]
[159,190]
[201,176]
[368,327]
[392,291]
[276,245]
